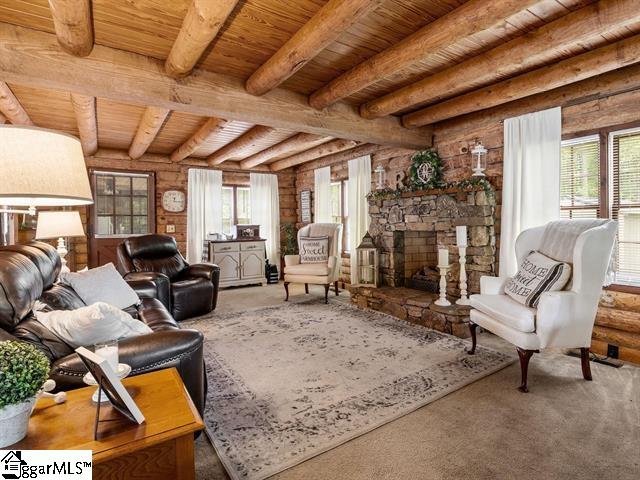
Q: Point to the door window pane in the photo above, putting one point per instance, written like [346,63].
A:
[139,224]
[244,205]
[123,185]
[123,225]
[104,205]
[139,185]
[227,209]
[139,205]
[122,204]
[104,185]
[104,226]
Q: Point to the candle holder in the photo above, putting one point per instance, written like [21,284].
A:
[463,300]
[442,301]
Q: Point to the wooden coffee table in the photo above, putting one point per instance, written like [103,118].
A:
[162,447]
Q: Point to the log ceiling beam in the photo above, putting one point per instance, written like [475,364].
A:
[11,108]
[201,24]
[322,29]
[33,58]
[520,54]
[85,109]
[574,69]
[149,126]
[314,153]
[238,146]
[73,25]
[345,156]
[472,17]
[297,142]
[203,134]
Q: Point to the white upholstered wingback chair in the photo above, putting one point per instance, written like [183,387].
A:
[562,319]
[316,273]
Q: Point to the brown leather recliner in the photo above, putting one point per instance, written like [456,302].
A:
[193,288]
[27,275]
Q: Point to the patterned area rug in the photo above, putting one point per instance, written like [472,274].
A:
[287,383]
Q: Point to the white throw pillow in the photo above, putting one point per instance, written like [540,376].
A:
[537,274]
[96,323]
[101,284]
[314,249]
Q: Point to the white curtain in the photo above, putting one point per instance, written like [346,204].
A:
[322,195]
[531,178]
[204,209]
[358,207]
[265,211]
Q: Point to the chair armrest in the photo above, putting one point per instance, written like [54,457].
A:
[492,285]
[209,271]
[559,322]
[291,260]
[151,285]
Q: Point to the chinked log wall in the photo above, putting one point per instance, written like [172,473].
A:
[603,101]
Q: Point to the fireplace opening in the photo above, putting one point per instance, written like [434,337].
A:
[420,261]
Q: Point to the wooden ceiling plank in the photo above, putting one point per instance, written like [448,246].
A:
[580,67]
[200,26]
[292,143]
[84,107]
[11,107]
[73,24]
[33,58]
[149,126]
[327,25]
[314,153]
[472,17]
[240,144]
[521,54]
[207,130]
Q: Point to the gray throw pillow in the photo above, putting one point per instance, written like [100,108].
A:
[537,274]
[101,284]
[314,249]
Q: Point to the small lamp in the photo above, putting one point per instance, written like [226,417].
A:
[381,180]
[59,225]
[367,263]
[478,159]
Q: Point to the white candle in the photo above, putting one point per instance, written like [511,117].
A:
[110,354]
[461,236]
[443,257]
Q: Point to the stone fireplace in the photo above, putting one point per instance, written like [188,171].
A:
[409,229]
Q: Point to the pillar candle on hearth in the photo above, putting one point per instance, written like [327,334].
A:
[443,257]
[461,236]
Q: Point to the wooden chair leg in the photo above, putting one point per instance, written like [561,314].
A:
[586,365]
[286,289]
[525,356]
[326,292]
[306,288]
[336,287]
[472,329]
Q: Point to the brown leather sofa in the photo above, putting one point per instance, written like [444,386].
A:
[193,288]
[27,275]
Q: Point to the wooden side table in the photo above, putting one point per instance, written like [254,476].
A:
[162,447]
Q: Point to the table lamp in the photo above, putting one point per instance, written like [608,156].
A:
[59,225]
[40,167]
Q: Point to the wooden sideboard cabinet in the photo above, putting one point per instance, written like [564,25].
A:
[241,262]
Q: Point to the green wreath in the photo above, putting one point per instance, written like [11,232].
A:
[426,171]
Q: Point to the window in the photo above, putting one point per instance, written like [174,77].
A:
[122,205]
[236,207]
[339,210]
[605,182]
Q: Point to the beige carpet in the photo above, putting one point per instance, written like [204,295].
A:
[564,428]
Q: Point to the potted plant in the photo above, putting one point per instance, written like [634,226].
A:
[290,244]
[23,371]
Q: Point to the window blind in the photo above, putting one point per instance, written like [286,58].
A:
[624,187]
[580,178]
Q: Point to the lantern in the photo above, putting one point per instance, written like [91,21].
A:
[367,263]
[381,180]
[478,159]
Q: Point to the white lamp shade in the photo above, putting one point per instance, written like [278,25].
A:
[59,224]
[41,168]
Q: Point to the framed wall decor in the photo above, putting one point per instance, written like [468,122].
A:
[305,206]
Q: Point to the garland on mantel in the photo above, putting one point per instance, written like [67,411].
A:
[388,193]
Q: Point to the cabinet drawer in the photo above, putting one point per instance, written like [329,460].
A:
[225,247]
[251,246]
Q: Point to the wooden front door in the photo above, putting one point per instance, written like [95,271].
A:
[124,206]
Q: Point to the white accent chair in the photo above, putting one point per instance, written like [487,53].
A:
[563,319]
[316,273]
